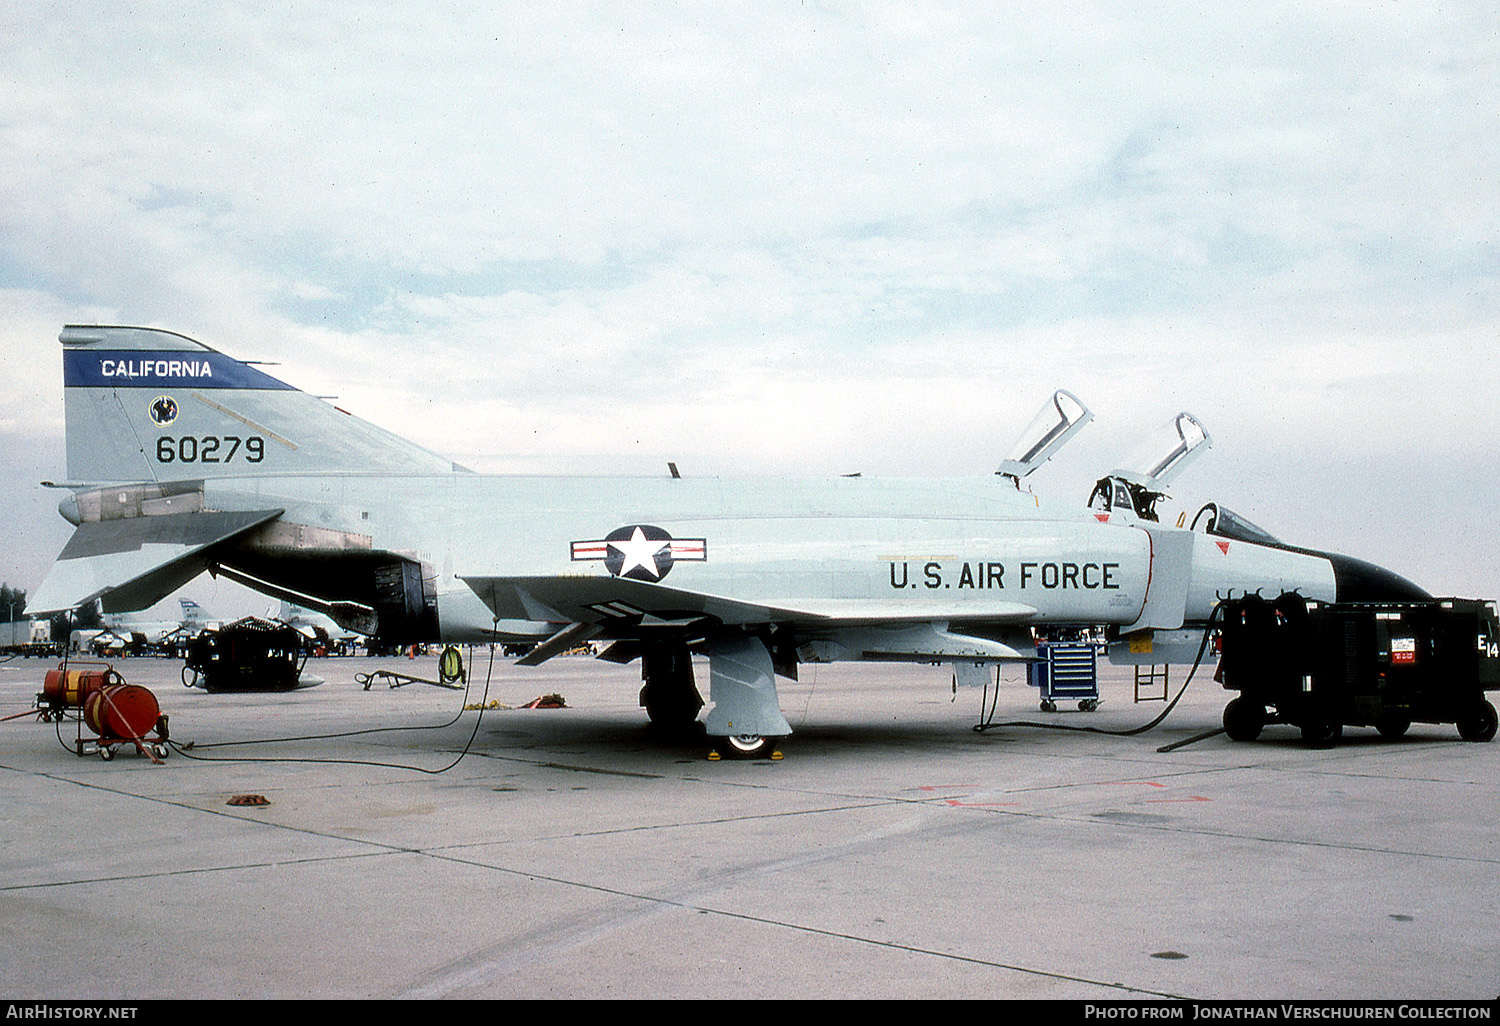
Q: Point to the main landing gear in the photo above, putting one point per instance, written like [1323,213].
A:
[745,720]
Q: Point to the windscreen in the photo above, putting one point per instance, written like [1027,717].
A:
[1215,519]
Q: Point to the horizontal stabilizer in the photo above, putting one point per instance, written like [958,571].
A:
[136,562]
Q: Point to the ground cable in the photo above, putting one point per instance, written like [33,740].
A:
[185,750]
[1202,648]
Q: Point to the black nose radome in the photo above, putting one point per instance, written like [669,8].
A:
[1358,581]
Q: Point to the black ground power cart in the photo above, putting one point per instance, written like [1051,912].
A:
[1324,666]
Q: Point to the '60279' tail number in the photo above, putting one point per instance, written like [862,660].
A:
[210,449]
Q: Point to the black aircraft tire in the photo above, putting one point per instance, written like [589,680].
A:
[1480,724]
[672,714]
[1244,719]
[668,695]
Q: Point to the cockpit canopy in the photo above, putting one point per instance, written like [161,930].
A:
[1166,453]
[1059,420]
[1137,487]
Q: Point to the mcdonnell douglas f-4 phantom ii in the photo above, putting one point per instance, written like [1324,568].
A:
[182,459]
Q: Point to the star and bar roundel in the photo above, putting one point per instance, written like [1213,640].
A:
[641,552]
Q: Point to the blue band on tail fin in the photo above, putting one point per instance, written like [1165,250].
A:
[148,369]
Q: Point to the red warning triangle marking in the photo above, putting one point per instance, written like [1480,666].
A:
[1223,547]
[1103,518]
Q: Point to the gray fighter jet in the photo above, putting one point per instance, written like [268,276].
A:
[182,459]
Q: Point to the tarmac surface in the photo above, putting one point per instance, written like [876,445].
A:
[894,852]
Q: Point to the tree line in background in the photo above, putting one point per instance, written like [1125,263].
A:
[13,608]
[13,601]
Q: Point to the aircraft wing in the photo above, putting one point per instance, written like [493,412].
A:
[621,601]
[135,562]
[629,611]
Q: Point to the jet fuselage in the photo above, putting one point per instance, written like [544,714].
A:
[959,550]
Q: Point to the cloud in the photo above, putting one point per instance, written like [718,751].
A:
[775,236]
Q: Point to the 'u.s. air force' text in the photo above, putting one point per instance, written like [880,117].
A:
[997,576]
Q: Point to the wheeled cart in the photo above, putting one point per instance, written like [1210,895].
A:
[118,713]
[1387,665]
[1066,672]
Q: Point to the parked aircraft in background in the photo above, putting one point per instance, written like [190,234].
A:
[319,628]
[195,618]
[125,633]
[182,459]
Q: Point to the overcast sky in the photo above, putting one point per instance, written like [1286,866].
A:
[796,238]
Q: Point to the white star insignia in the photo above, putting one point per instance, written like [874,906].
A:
[640,551]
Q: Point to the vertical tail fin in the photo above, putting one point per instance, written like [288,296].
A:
[144,404]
